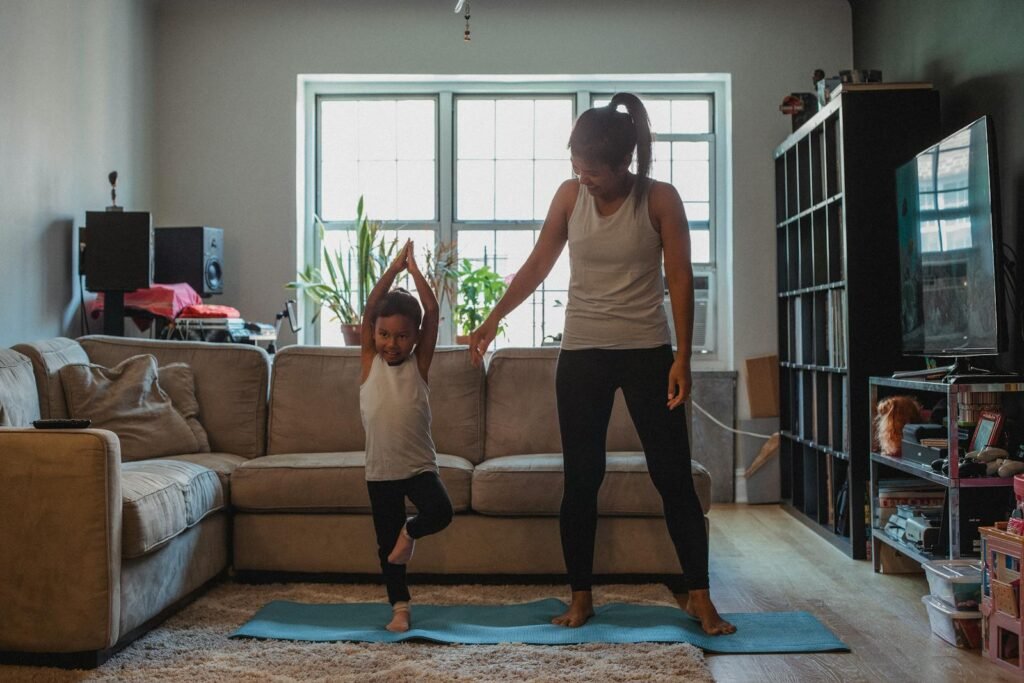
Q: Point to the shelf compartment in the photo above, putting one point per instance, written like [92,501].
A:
[908,550]
[821,448]
[925,472]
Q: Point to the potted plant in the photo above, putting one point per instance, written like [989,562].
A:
[479,290]
[331,286]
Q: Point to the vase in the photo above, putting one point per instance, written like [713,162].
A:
[352,334]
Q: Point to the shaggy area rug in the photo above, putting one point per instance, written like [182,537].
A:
[194,645]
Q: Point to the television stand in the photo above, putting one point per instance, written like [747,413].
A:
[960,372]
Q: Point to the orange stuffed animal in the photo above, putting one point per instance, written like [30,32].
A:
[892,413]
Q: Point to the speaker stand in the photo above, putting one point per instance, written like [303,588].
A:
[113,313]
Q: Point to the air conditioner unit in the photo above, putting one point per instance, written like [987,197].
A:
[704,339]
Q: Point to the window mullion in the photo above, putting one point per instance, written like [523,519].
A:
[446,193]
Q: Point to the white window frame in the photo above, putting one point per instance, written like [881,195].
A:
[445,87]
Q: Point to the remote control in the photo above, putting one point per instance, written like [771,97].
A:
[61,423]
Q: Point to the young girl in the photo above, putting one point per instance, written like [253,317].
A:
[393,400]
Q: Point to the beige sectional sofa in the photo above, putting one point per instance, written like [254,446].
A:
[101,549]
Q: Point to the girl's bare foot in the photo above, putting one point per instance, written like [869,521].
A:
[400,618]
[580,610]
[697,603]
[402,552]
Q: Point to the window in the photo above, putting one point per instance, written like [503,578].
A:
[477,161]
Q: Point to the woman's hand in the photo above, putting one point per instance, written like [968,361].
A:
[480,339]
[679,383]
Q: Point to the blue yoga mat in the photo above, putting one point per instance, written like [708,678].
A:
[529,623]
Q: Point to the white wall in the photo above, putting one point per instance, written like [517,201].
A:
[226,103]
[76,96]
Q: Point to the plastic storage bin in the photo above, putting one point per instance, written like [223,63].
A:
[957,627]
[957,582]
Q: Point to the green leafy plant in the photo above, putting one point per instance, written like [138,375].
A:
[442,272]
[331,285]
[479,290]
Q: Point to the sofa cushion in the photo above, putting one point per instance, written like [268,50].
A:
[230,384]
[129,401]
[315,386]
[19,400]
[224,464]
[326,482]
[532,485]
[522,414]
[162,498]
[48,357]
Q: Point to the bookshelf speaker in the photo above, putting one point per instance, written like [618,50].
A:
[191,254]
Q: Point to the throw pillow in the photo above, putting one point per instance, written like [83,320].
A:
[129,401]
[179,383]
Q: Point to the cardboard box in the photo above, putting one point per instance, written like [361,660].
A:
[763,386]
[892,561]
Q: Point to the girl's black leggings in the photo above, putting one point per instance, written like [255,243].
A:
[586,381]
[387,501]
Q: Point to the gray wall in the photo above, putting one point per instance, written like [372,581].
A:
[970,50]
[225,115]
[76,94]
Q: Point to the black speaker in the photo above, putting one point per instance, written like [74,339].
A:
[194,255]
[118,256]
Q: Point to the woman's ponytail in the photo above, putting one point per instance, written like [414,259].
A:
[642,127]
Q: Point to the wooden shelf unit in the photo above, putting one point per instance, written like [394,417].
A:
[838,324]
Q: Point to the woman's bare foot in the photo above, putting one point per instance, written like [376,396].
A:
[580,610]
[697,603]
[402,552]
[400,618]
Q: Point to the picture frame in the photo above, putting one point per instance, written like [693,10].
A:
[987,431]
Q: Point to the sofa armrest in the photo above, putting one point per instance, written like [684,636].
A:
[60,540]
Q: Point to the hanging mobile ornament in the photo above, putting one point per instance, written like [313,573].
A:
[458,7]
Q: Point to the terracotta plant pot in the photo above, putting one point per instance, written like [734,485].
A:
[462,339]
[352,334]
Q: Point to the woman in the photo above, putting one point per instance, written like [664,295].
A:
[620,227]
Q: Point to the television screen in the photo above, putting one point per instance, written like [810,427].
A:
[950,247]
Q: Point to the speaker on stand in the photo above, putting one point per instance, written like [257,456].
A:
[190,254]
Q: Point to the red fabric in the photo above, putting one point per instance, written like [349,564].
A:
[165,301]
[208,311]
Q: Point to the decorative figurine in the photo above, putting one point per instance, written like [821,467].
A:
[112,177]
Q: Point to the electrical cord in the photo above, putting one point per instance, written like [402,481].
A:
[725,426]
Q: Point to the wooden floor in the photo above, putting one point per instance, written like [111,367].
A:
[764,559]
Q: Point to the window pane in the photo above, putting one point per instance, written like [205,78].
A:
[552,126]
[691,116]
[416,126]
[416,190]
[377,181]
[521,130]
[659,111]
[513,190]
[697,212]
[700,246]
[476,129]
[360,143]
[475,190]
[548,175]
[340,181]
[376,130]
[513,123]
[661,165]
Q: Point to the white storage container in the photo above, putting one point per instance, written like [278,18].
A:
[956,627]
[957,582]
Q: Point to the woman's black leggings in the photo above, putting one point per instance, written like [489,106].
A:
[586,381]
[387,501]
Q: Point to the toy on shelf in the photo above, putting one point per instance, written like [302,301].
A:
[1001,630]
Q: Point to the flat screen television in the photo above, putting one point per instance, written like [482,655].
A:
[950,241]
